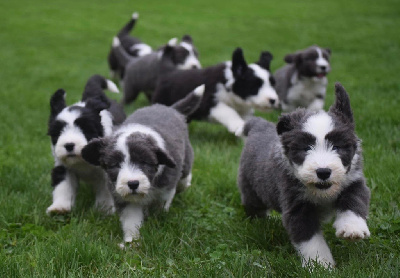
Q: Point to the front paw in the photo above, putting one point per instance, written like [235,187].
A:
[351,227]
[58,208]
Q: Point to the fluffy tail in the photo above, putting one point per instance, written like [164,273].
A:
[191,102]
[122,56]
[128,26]
[95,86]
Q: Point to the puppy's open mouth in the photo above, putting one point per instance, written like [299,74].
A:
[321,75]
[323,185]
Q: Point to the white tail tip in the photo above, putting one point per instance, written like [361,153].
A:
[173,41]
[112,87]
[199,91]
[135,15]
[116,42]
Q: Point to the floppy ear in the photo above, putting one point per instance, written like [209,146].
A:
[265,60]
[284,124]
[57,102]
[293,58]
[239,64]
[342,107]
[187,38]
[92,151]
[98,103]
[164,158]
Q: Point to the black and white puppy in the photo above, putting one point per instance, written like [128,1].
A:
[309,168]
[148,159]
[141,73]
[233,89]
[132,45]
[302,83]
[70,129]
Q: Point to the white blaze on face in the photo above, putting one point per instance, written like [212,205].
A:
[321,154]
[267,96]
[71,134]
[130,172]
[321,61]
[191,60]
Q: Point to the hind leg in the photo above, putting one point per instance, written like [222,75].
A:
[131,92]
[253,205]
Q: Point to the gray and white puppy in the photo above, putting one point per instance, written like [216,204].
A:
[148,159]
[309,168]
[302,83]
[71,128]
[141,73]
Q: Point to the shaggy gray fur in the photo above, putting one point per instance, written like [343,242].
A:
[266,176]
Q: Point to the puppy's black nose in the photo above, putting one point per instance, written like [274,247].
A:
[323,173]
[133,185]
[194,67]
[272,101]
[69,147]
[323,68]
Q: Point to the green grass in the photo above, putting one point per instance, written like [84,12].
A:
[46,45]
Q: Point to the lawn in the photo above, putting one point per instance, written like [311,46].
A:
[46,45]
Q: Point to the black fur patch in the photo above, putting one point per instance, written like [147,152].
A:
[296,144]
[55,129]
[58,175]
[344,142]
[247,84]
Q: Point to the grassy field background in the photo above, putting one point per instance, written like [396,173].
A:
[46,45]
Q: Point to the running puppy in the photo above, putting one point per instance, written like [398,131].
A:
[309,168]
[233,89]
[141,73]
[70,129]
[132,45]
[148,159]
[302,83]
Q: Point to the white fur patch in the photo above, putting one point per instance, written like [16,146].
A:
[70,134]
[106,122]
[115,42]
[112,87]
[64,195]
[319,125]
[266,93]
[227,116]
[173,41]
[321,61]
[131,220]
[229,75]
[127,130]
[128,173]
[321,155]
[135,15]
[348,225]
[191,60]
[142,48]
[315,249]
[199,91]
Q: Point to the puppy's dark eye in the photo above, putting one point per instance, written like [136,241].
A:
[335,148]
[112,165]
[308,148]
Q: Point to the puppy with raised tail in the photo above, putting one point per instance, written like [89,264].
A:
[71,128]
[309,168]
[133,46]
[141,73]
[148,159]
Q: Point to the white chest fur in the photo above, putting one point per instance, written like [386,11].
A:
[304,92]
